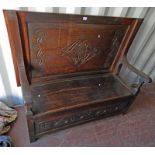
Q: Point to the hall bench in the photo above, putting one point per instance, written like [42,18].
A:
[69,67]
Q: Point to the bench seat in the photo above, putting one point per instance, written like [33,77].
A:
[80,91]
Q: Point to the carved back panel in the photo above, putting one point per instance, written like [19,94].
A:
[55,45]
[70,47]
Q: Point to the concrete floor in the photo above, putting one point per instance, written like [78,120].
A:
[136,128]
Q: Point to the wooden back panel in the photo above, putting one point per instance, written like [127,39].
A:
[59,48]
[59,44]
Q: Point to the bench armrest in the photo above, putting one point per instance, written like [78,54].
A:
[143,77]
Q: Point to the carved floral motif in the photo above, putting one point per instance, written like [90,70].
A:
[79,117]
[114,47]
[39,38]
[79,52]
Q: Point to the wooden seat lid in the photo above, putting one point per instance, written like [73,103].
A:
[70,94]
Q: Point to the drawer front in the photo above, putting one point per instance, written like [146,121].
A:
[66,119]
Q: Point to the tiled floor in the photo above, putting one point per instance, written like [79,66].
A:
[136,128]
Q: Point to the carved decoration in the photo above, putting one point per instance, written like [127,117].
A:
[114,46]
[39,39]
[83,116]
[79,52]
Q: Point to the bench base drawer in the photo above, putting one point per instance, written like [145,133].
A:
[50,122]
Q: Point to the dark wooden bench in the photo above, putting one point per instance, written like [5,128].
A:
[68,67]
